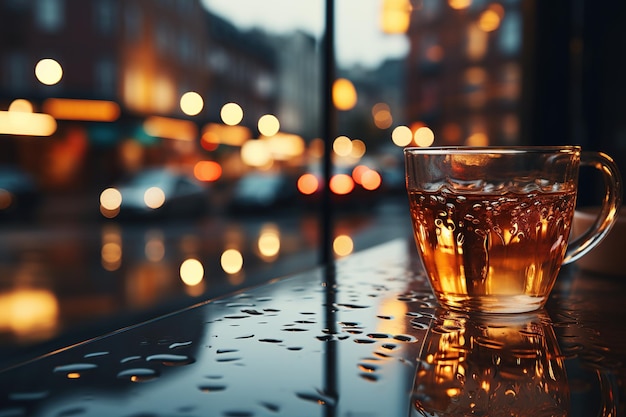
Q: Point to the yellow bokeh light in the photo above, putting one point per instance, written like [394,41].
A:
[424,137]
[269,241]
[396,16]
[231,114]
[489,20]
[343,245]
[29,312]
[342,146]
[256,153]
[358,149]
[344,94]
[268,125]
[48,71]
[191,103]
[478,139]
[382,116]
[459,4]
[155,247]
[154,197]
[111,253]
[111,199]
[231,261]
[191,272]
[21,105]
[402,136]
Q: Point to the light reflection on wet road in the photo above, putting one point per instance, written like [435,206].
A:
[66,282]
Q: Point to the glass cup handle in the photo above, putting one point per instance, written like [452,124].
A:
[610,206]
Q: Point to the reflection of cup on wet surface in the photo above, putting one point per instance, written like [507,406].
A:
[506,365]
[492,224]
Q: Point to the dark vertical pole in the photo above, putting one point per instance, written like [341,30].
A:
[327,258]
[328,119]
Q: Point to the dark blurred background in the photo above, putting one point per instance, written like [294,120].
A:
[156,153]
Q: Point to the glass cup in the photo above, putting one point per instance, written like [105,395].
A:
[492,224]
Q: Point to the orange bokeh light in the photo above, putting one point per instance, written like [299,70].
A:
[371,180]
[308,184]
[357,173]
[341,184]
[207,171]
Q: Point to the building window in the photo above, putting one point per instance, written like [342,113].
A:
[16,72]
[105,77]
[104,15]
[49,15]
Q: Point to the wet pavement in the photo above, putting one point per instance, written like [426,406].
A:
[365,338]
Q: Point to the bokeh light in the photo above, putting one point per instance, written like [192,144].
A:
[48,71]
[371,180]
[342,146]
[460,4]
[308,184]
[489,20]
[21,105]
[256,153]
[382,116]
[154,197]
[358,149]
[341,184]
[424,137]
[231,114]
[191,272]
[231,261]
[111,199]
[207,171]
[344,94]
[268,125]
[402,136]
[343,245]
[191,103]
[269,241]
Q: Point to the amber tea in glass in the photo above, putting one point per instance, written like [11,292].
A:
[492,224]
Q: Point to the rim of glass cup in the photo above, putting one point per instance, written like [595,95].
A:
[440,150]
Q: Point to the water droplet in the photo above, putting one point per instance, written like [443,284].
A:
[252,312]
[294,348]
[221,351]
[170,360]
[318,397]
[212,388]
[180,345]
[71,412]
[367,367]
[75,367]
[130,359]
[378,335]
[271,407]
[294,329]
[95,354]
[247,336]
[369,377]
[385,317]
[364,341]
[28,396]
[138,374]
[238,413]
[405,338]
[268,340]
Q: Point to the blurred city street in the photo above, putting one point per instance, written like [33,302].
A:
[79,278]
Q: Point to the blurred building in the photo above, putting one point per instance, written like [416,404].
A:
[464,71]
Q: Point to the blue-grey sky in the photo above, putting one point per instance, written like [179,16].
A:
[358,36]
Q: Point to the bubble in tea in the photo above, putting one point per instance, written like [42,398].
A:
[495,249]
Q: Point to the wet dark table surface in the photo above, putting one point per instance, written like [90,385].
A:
[362,339]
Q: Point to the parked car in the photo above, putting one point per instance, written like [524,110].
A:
[261,191]
[19,194]
[159,192]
